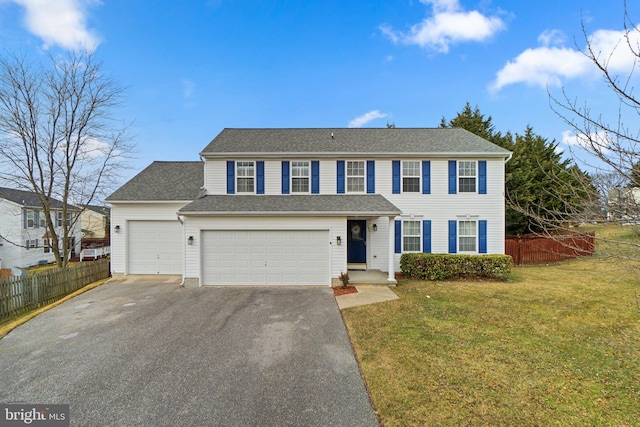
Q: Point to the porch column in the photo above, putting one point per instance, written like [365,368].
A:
[392,274]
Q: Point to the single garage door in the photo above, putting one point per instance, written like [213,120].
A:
[269,257]
[155,247]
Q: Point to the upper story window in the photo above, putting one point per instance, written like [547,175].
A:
[410,176]
[467,236]
[355,176]
[59,217]
[467,176]
[245,177]
[300,177]
[31,222]
[411,236]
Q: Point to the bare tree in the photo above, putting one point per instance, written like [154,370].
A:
[59,137]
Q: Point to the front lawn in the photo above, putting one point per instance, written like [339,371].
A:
[557,345]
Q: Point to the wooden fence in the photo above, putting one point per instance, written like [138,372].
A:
[19,294]
[534,249]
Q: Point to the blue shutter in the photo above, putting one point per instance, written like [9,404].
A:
[340,175]
[36,220]
[315,177]
[396,176]
[482,236]
[482,177]
[371,176]
[285,177]
[426,177]
[27,245]
[260,177]
[24,214]
[398,236]
[453,238]
[452,176]
[426,236]
[231,177]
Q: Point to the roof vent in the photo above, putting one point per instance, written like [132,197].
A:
[331,135]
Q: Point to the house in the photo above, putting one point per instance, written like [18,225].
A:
[24,238]
[300,206]
[95,221]
[623,204]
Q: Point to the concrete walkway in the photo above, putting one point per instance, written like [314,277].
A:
[367,294]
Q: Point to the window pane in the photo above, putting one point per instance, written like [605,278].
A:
[411,228]
[355,185]
[245,169]
[245,185]
[467,185]
[410,168]
[300,185]
[411,244]
[467,169]
[300,169]
[355,168]
[467,244]
[411,185]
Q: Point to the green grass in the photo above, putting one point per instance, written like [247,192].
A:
[557,345]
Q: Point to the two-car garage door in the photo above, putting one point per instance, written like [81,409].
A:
[266,257]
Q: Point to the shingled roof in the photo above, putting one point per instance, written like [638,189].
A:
[28,198]
[333,204]
[163,181]
[369,142]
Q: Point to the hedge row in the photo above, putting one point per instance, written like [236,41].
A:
[422,266]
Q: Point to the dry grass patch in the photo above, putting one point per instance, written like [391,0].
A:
[558,345]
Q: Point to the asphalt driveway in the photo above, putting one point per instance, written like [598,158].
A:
[159,354]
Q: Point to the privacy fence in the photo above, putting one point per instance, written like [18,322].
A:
[534,249]
[19,294]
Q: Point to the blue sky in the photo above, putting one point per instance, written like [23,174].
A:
[193,68]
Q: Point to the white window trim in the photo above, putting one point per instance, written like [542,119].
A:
[238,177]
[402,176]
[419,235]
[58,218]
[347,176]
[291,177]
[31,213]
[459,236]
[475,177]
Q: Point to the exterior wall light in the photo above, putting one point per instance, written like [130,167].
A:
[117,229]
[190,241]
[339,240]
[375,227]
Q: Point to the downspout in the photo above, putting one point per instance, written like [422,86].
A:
[184,252]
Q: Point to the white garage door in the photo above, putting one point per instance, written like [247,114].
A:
[270,257]
[155,247]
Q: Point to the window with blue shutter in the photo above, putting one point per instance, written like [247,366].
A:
[398,236]
[426,177]
[371,176]
[482,177]
[452,176]
[340,177]
[315,177]
[260,177]
[482,234]
[285,177]
[453,239]
[36,219]
[426,236]
[231,177]
[395,167]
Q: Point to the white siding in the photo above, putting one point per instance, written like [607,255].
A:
[195,226]
[122,213]
[215,176]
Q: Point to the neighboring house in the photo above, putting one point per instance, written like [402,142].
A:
[300,206]
[95,221]
[24,238]
[623,204]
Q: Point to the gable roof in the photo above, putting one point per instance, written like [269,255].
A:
[28,198]
[317,204]
[350,142]
[102,210]
[162,181]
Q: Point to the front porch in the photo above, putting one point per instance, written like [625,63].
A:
[370,277]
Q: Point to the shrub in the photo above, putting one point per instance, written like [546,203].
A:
[445,266]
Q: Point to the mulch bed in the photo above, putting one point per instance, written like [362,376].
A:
[344,291]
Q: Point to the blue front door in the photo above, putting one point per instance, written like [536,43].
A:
[356,242]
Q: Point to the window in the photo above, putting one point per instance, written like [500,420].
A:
[30,219]
[245,177]
[355,177]
[47,245]
[411,236]
[30,244]
[43,220]
[467,236]
[410,177]
[300,177]
[58,219]
[466,177]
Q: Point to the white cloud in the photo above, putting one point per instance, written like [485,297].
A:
[449,24]
[59,22]
[366,118]
[549,66]
[601,140]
